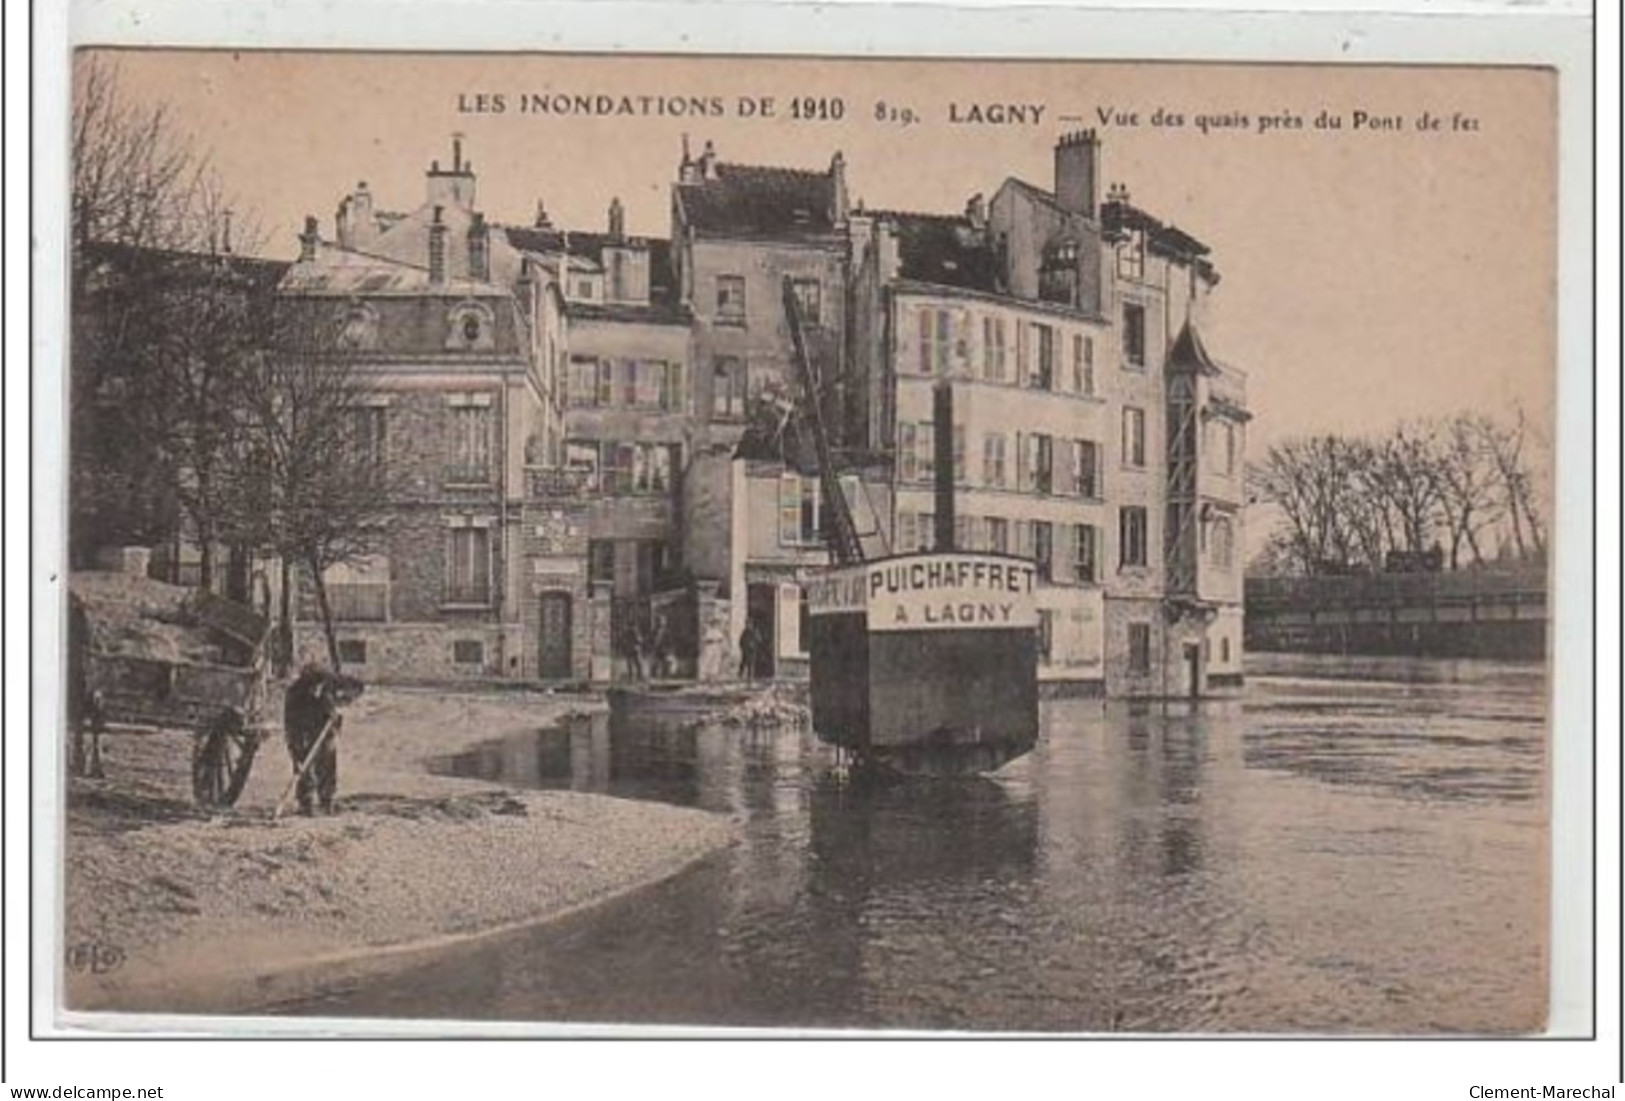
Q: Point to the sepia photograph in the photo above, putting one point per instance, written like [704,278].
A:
[809,543]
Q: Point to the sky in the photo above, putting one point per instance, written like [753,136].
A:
[1368,274]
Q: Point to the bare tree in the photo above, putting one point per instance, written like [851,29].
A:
[1312,479]
[312,483]
[1469,501]
[158,302]
[1404,475]
[1509,447]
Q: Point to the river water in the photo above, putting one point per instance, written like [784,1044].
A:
[1355,845]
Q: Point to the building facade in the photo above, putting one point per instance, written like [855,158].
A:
[606,480]
[456,345]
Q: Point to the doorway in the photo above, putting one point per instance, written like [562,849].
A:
[1193,667]
[558,616]
[761,602]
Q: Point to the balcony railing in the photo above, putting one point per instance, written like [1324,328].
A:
[579,483]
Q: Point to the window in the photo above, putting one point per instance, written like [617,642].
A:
[1224,649]
[367,427]
[1084,545]
[353,651]
[468,566]
[727,388]
[800,512]
[1036,473]
[645,384]
[1139,648]
[1044,548]
[1221,542]
[1041,357]
[1134,334]
[1046,635]
[583,381]
[470,450]
[636,467]
[959,454]
[601,560]
[1131,536]
[1131,255]
[584,288]
[731,300]
[1083,364]
[808,294]
[803,622]
[964,532]
[1226,445]
[468,651]
[916,451]
[1086,468]
[907,534]
[993,460]
[926,537]
[358,590]
[935,337]
[993,352]
[605,387]
[1133,436]
[998,534]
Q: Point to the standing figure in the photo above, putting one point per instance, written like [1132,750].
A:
[747,651]
[626,641]
[312,704]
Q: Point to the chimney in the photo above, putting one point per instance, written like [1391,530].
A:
[617,220]
[309,239]
[454,186]
[687,171]
[437,249]
[1077,168]
[708,162]
[479,249]
[838,204]
[542,220]
[976,212]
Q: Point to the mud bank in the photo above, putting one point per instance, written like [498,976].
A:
[169,910]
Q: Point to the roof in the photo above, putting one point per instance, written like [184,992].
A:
[757,201]
[1165,240]
[944,249]
[339,271]
[1189,352]
[657,313]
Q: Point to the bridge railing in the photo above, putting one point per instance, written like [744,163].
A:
[1386,590]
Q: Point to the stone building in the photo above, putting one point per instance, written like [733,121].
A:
[459,342]
[738,231]
[629,431]
[1092,431]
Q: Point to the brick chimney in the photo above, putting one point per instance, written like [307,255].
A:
[708,162]
[838,202]
[309,239]
[479,249]
[1077,170]
[688,169]
[437,248]
[617,220]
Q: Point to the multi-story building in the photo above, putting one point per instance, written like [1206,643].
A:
[459,343]
[1053,317]
[738,231]
[629,430]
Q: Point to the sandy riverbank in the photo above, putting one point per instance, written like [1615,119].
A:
[237,911]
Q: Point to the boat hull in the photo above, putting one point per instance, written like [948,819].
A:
[934,671]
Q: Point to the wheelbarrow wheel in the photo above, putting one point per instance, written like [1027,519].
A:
[222,756]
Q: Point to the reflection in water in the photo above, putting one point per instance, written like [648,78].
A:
[1327,855]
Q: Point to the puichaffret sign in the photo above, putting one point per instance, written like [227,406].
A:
[932,592]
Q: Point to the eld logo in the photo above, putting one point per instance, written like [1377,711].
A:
[94,958]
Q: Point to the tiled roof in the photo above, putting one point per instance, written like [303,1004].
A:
[337,271]
[944,249]
[579,245]
[656,313]
[755,201]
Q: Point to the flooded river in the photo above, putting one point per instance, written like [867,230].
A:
[1356,845]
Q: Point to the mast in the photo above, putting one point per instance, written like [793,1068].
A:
[845,548]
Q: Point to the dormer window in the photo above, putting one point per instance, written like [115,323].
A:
[470,327]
